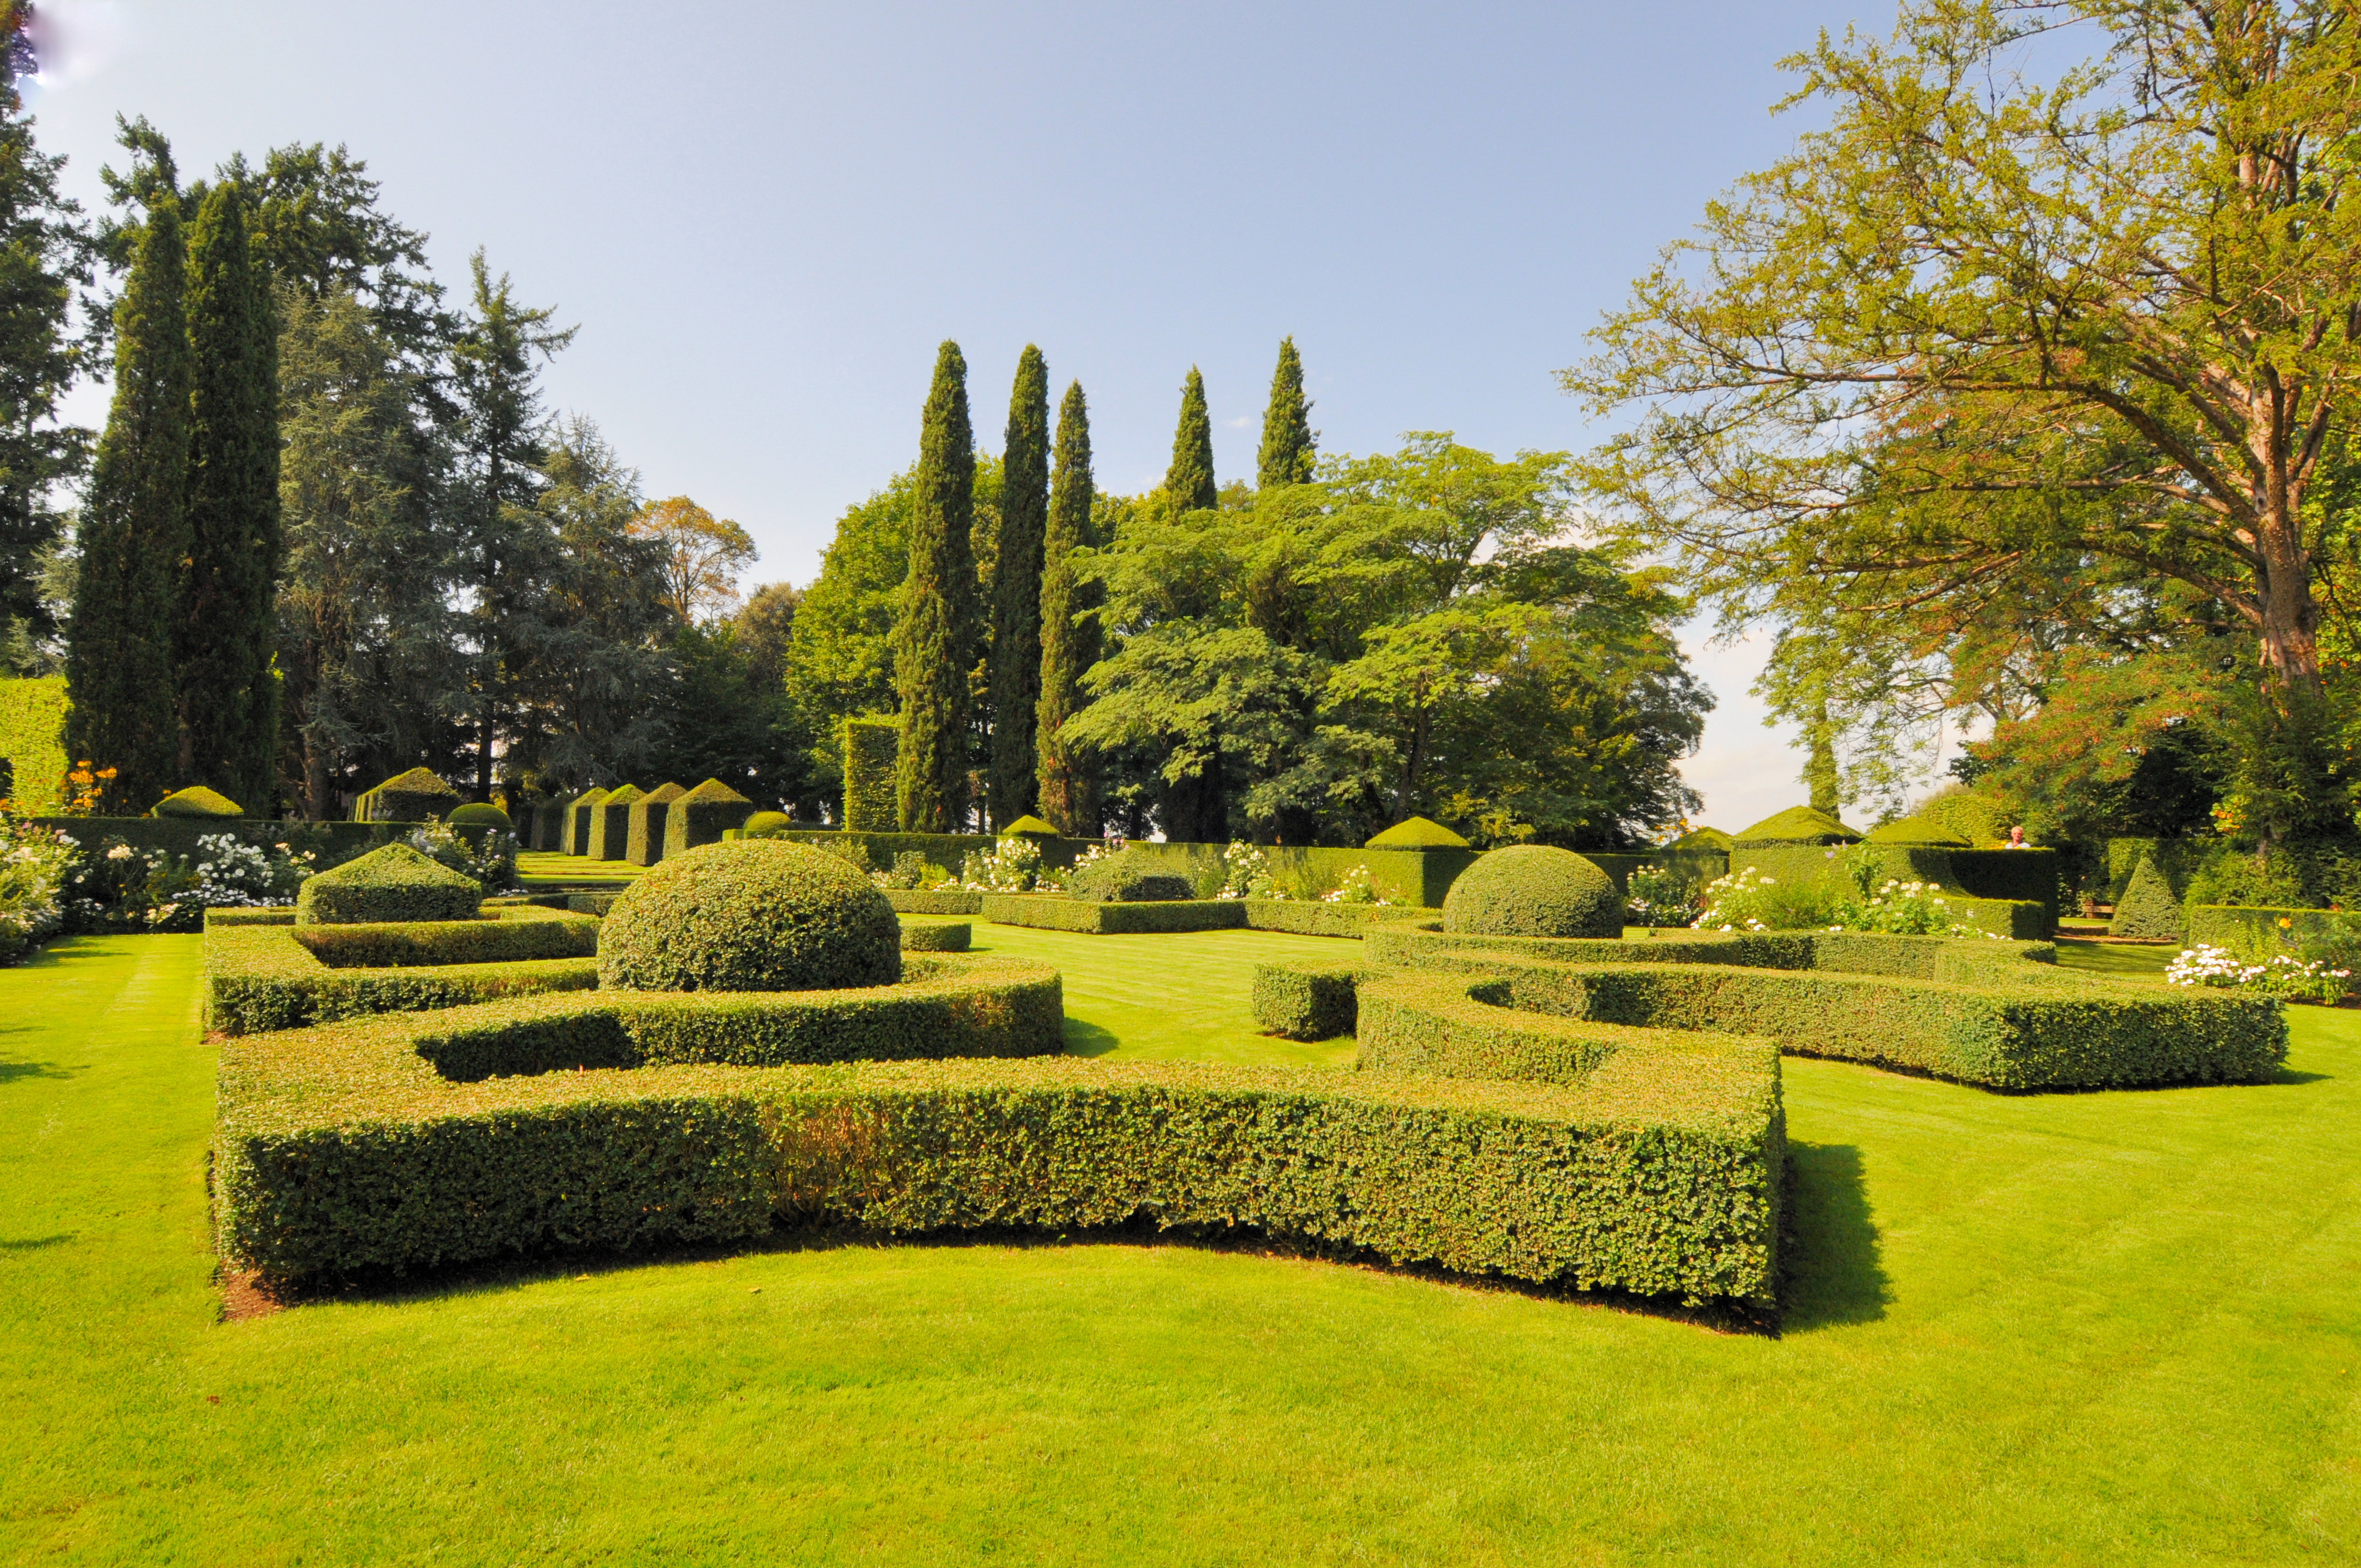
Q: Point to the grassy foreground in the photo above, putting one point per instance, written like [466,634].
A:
[2071,1329]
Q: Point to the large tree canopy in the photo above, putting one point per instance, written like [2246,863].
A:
[1994,358]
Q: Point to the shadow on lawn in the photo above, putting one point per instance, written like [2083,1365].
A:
[10,1071]
[1089,1039]
[1834,1273]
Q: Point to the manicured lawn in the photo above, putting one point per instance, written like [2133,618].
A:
[547,868]
[2118,1328]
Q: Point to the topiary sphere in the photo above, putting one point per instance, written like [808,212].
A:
[1534,890]
[481,812]
[766,822]
[750,914]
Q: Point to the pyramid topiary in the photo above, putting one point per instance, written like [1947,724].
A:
[412,796]
[395,883]
[580,812]
[196,801]
[2147,909]
[753,915]
[1417,833]
[644,843]
[1917,831]
[1534,890]
[1796,825]
[610,822]
[704,814]
[1029,827]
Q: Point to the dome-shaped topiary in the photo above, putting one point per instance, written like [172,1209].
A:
[196,801]
[1534,890]
[1417,833]
[750,914]
[1128,877]
[1711,840]
[762,824]
[483,814]
[1796,825]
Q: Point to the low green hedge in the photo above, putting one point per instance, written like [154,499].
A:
[1305,1002]
[344,1151]
[261,977]
[524,933]
[949,901]
[261,915]
[2260,934]
[395,883]
[1308,917]
[1053,912]
[952,937]
[592,903]
[1973,1011]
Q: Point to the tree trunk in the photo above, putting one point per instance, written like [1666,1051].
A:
[2289,621]
[484,755]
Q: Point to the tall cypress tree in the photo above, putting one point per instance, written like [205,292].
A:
[1070,627]
[934,642]
[228,694]
[134,529]
[1190,480]
[1287,439]
[1016,590]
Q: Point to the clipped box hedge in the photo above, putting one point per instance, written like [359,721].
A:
[1053,912]
[947,901]
[703,816]
[1306,1002]
[873,747]
[2258,934]
[396,883]
[221,917]
[1306,917]
[581,816]
[260,978]
[345,1151]
[950,937]
[611,824]
[412,796]
[1979,1012]
[643,836]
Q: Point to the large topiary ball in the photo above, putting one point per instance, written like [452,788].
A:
[480,814]
[765,823]
[1128,877]
[750,914]
[1532,890]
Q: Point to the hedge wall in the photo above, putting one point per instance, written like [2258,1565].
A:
[1310,917]
[915,901]
[1706,864]
[610,822]
[261,979]
[581,816]
[32,742]
[343,1151]
[2256,933]
[333,843]
[1052,912]
[1417,877]
[1988,875]
[950,936]
[1973,1011]
[1305,1002]
[506,936]
[871,749]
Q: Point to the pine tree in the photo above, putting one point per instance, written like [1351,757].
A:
[228,693]
[935,640]
[1288,442]
[134,529]
[1016,590]
[1190,480]
[1069,628]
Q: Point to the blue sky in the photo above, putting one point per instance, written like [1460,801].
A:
[765,217]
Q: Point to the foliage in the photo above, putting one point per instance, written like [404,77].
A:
[488,858]
[1125,877]
[1016,592]
[1353,888]
[397,882]
[872,765]
[1290,444]
[944,936]
[1247,873]
[1071,644]
[412,796]
[1746,900]
[701,556]
[1013,865]
[226,625]
[1916,830]
[2146,909]
[1663,895]
[32,728]
[2287,979]
[1796,825]
[132,534]
[1417,833]
[36,864]
[1189,481]
[755,914]
[480,814]
[1534,890]
[935,635]
[701,815]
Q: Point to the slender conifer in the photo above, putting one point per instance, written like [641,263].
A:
[134,529]
[934,643]
[1070,627]
[1287,439]
[1016,590]
[228,694]
[1190,480]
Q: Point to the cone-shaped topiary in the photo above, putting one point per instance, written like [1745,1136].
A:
[1417,833]
[1712,840]
[753,914]
[1534,890]
[412,796]
[1128,877]
[2147,908]
[1029,827]
[480,814]
[196,801]
[395,883]
[707,812]
[1917,831]
[1796,825]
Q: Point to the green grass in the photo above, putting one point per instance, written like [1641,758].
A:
[543,869]
[2115,1328]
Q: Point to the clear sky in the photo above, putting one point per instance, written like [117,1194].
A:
[764,217]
